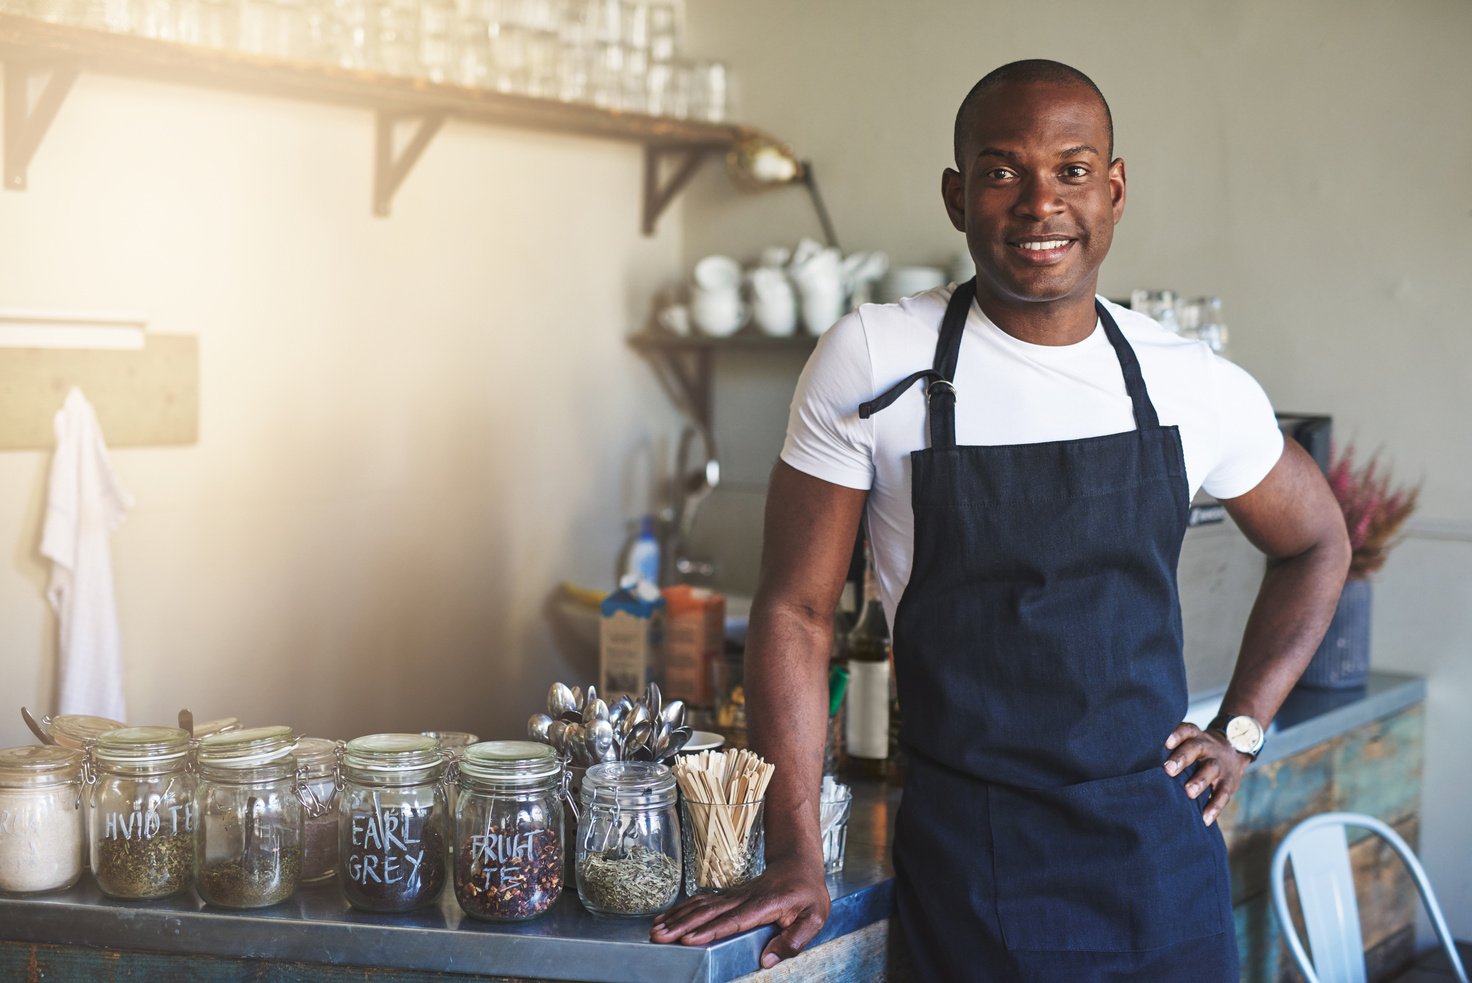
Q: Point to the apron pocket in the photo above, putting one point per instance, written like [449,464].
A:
[1114,865]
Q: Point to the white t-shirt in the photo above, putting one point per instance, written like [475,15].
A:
[1009,392]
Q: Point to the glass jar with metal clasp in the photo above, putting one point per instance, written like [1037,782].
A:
[141,789]
[316,769]
[392,822]
[41,830]
[248,834]
[628,846]
[79,732]
[508,830]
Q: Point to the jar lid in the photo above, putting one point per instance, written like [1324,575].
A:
[247,748]
[139,745]
[39,765]
[629,783]
[77,730]
[511,762]
[452,740]
[316,754]
[392,752]
[212,727]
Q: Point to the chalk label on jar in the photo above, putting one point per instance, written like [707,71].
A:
[384,849]
[504,858]
[143,824]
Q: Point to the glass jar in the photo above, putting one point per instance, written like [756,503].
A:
[212,727]
[248,838]
[454,743]
[508,830]
[392,821]
[316,768]
[79,732]
[628,847]
[40,818]
[143,809]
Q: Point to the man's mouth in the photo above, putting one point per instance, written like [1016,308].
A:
[1046,250]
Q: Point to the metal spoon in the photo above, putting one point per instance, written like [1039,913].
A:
[537,726]
[186,722]
[559,700]
[36,728]
[673,713]
[602,740]
[595,709]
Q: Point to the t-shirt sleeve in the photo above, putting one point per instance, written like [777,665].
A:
[825,437]
[1250,442]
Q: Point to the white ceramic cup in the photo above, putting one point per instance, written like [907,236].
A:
[717,273]
[675,319]
[717,313]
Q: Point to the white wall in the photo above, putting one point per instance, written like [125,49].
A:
[1306,162]
[411,429]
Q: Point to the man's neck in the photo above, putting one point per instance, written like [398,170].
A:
[1056,323]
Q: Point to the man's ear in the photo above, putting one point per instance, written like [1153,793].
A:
[1117,187]
[953,193]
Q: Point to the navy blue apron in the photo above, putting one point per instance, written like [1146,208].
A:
[1037,648]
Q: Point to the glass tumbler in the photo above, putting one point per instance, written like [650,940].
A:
[724,844]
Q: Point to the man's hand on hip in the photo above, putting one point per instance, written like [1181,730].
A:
[792,895]
[1219,766]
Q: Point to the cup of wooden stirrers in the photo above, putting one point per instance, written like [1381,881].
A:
[721,798]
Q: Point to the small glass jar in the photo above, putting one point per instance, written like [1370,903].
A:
[248,838]
[41,832]
[143,811]
[628,848]
[316,764]
[508,830]
[392,821]
[79,732]
[454,743]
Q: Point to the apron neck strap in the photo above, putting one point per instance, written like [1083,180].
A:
[940,391]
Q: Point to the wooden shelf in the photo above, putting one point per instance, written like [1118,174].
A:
[685,364]
[31,47]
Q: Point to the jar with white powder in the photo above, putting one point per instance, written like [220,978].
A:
[40,818]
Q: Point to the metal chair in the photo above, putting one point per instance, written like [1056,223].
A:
[1319,850]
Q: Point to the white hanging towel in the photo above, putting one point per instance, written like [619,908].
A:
[84,504]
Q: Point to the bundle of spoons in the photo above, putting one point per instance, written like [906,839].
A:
[587,730]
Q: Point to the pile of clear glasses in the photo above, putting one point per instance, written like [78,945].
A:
[1199,318]
[615,54]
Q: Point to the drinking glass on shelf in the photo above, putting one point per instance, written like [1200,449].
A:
[635,95]
[606,87]
[439,24]
[542,51]
[710,93]
[663,38]
[634,23]
[659,83]
[575,72]
[509,58]
[398,37]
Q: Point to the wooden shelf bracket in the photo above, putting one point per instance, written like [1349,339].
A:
[656,197]
[25,126]
[389,171]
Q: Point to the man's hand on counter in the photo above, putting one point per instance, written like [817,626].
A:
[792,895]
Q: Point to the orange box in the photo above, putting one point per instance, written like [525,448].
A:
[695,637]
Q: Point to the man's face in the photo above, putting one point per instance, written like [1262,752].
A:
[1037,195]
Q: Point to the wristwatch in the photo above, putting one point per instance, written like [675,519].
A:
[1242,732]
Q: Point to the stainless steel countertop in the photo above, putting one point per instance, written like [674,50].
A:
[568,943]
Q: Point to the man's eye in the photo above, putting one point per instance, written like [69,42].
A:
[1075,170]
[998,174]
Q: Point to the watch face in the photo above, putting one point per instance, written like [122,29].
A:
[1244,734]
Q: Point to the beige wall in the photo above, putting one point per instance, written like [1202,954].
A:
[1305,161]
[411,429]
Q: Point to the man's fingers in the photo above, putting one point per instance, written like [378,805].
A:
[691,915]
[791,940]
[750,913]
[1185,753]
[1207,772]
[1219,798]
[1183,732]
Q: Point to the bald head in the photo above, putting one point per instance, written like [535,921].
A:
[1023,72]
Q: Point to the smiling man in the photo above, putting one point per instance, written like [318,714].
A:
[1024,454]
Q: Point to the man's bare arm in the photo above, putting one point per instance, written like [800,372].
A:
[807,543]
[1291,516]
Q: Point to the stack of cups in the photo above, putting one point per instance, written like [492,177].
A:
[715,297]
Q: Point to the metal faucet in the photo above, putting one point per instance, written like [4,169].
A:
[693,482]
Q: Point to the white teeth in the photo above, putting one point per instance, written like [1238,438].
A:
[1038,247]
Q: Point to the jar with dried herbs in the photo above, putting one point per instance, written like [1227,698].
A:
[628,849]
[143,812]
[392,822]
[248,837]
[508,830]
[40,818]
[316,763]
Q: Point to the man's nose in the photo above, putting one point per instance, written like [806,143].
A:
[1038,198]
